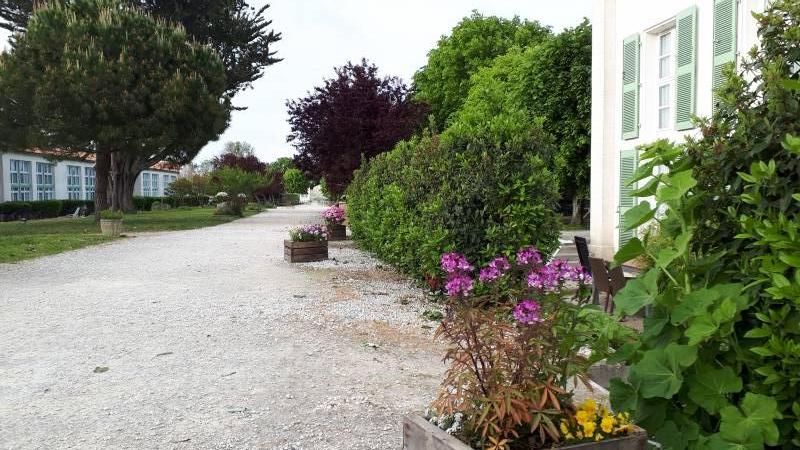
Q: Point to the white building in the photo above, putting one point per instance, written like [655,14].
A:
[30,176]
[654,66]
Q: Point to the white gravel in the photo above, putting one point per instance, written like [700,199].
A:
[211,340]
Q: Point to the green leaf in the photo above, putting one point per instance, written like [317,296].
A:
[632,249]
[757,333]
[637,293]
[676,185]
[708,387]
[700,329]
[638,216]
[660,372]
[648,190]
[756,415]
[622,395]
[790,259]
[694,304]
[791,84]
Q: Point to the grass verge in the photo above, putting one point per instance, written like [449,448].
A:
[35,238]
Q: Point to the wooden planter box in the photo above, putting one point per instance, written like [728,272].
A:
[419,434]
[337,232]
[110,227]
[295,252]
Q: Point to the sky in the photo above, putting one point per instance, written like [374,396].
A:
[318,35]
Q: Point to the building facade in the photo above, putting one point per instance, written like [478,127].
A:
[31,176]
[654,66]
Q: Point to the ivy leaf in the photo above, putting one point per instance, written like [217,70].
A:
[708,387]
[755,417]
[632,249]
[638,216]
[637,293]
[660,372]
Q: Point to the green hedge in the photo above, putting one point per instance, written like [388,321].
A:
[42,209]
[146,203]
[431,195]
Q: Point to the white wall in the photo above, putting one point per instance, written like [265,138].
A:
[60,176]
[613,21]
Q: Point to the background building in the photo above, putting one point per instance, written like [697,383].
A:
[31,175]
[654,66]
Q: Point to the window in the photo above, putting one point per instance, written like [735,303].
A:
[88,182]
[666,76]
[154,185]
[74,182]
[146,185]
[45,187]
[20,180]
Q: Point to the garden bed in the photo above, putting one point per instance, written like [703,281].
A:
[295,252]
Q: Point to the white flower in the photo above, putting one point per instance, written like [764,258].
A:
[242,195]
[222,194]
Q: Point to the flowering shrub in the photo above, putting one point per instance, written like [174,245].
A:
[221,196]
[514,337]
[308,233]
[334,215]
[593,422]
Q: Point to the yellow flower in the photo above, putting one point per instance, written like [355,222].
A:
[579,434]
[581,416]
[598,437]
[588,428]
[590,406]
[564,429]
[607,424]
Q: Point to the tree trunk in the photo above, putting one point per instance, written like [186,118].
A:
[124,170]
[102,166]
[577,210]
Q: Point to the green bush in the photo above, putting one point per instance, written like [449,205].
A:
[290,199]
[40,209]
[469,191]
[68,207]
[111,215]
[718,361]
[15,208]
[294,181]
[46,208]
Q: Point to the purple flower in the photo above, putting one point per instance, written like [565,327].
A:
[527,312]
[458,284]
[551,275]
[528,255]
[494,270]
[334,214]
[455,262]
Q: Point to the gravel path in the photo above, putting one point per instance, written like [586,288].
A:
[207,339]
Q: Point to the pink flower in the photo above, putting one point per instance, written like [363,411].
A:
[528,255]
[495,269]
[455,262]
[527,312]
[551,275]
[334,214]
[459,284]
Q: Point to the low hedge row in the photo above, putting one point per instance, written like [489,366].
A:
[42,209]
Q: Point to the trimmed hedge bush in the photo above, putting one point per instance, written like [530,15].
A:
[42,209]
[464,191]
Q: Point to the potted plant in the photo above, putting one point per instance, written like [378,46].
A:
[517,334]
[334,220]
[111,222]
[305,244]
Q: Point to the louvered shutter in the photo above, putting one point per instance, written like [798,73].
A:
[685,68]
[725,21]
[627,166]
[630,87]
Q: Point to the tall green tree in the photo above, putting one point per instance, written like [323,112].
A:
[103,76]
[444,82]
[547,85]
[240,33]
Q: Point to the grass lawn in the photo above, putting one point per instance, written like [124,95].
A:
[19,241]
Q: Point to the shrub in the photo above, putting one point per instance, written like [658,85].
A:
[290,199]
[514,336]
[718,359]
[69,206]
[46,208]
[472,190]
[294,181]
[109,214]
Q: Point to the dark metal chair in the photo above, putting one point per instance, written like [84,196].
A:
[618,280]
[582,246]
[601,281]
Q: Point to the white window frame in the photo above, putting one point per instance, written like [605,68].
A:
[146,184]
[665,81]
[21,182]
[154,188]
[45,181]
[89,179]
[74,182]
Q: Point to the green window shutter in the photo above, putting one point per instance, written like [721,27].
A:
[627,166]
[725,21]
[630,87]
[685,68]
